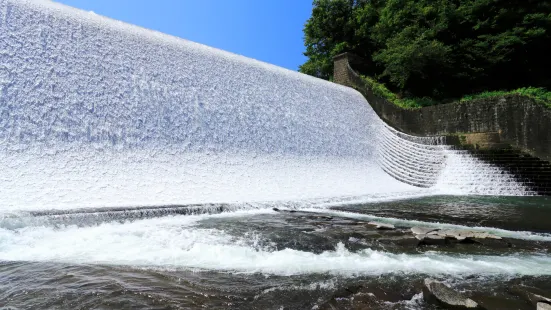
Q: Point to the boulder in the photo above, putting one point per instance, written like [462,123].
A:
[439,293]
[422,230]
[381,226]
[531,294]
[543,306]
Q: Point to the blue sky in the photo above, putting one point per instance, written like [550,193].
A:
[267,30]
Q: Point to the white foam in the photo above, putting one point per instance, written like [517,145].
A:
[176,243]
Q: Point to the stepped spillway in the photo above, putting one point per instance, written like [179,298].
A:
[98,113]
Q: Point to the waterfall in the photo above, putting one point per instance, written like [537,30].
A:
[96,113]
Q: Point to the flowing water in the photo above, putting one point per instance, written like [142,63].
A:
[140,170]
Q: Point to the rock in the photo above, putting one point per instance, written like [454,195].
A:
[431,239]
[382,226]
[489,301]
[461,235]
[543,306]
[494,243]
[288,211]
[455,234]
[406,242]
[437,292]
[422,230]
[344,297]
[372,296]
[531,294]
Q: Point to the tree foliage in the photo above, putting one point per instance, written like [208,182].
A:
[435,48]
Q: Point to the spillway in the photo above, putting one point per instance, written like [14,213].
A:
[129,156]
[95,112]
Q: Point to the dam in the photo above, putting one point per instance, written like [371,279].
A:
[133,154]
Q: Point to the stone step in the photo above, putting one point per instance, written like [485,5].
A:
[528,170]
[510,159]
[532,172]
[523,162]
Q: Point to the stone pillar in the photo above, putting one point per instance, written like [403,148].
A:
[340,69]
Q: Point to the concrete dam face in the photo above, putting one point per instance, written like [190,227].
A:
[97,113]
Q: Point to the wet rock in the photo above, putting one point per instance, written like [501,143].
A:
[455,234]
[531,294]
[462,236]
[287,211]
[404,241]
[495,243]
[382,226]
[344,298]
[385,294]
[543,306]
[372,296]
[492,302]
[431,239]
[439,293]
[422,230]
[466,234]
[346,222]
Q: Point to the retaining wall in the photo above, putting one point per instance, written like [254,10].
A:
[519,121]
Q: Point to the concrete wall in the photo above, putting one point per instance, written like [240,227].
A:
[518,120]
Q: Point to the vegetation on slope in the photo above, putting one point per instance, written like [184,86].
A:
[437,49]
[540,95]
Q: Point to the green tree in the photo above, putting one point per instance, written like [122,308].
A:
[436,48]
[328,32]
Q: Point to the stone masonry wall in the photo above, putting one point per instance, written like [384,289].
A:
[520,121]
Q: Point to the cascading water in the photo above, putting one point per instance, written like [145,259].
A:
[106,120]
[428,162]
[100,113]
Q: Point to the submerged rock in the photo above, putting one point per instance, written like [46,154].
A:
[382,226]
[437,292]
[531,294]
